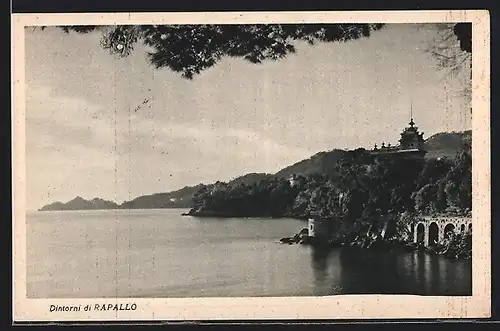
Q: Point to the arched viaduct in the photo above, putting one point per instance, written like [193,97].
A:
[429,230]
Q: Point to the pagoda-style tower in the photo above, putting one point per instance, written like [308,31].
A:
[411,144]
[411,138]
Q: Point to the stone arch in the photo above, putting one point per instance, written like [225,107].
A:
[420,230]
[433,233]
[462,227]
[470,227]
[448,228]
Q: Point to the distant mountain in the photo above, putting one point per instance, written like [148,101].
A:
[176,199]
[444,144]
[80,203]
[447,144]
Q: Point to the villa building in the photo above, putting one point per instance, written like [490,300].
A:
[411,144]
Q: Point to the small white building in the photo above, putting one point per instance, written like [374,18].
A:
[310,227]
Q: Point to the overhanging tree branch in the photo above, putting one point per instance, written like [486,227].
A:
[190,49]
[453,50]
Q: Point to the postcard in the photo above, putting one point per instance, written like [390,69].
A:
[251,166]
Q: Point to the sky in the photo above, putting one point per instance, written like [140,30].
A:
[83,137]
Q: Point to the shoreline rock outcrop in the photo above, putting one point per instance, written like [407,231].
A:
[456,246]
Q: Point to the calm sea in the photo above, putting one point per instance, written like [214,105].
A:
[159,253]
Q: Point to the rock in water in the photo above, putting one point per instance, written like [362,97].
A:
[286,240]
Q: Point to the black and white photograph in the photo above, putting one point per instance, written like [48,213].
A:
[250,160]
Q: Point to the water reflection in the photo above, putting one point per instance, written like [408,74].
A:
[427,268]
[359,271]
[319,264]
[443,270]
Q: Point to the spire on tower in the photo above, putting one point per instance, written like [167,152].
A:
[411,112]
[411,107]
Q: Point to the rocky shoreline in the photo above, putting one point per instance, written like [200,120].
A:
[458,246]
[207,213]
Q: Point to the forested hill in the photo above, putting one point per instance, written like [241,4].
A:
[176,199]
[249,179]
[358,192]
[320,163]
[445,144]
[358,199]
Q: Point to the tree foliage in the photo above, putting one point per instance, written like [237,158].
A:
[453,50]
[362,202]
[190,49]
[463,32]
[453,47]
[357,194]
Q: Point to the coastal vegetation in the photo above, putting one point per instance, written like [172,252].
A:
[361,200]
[356,186]
[439,146]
